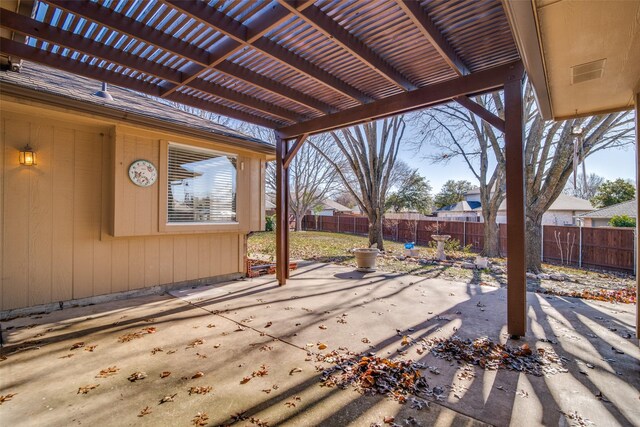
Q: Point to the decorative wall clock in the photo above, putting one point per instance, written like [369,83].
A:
[143,173]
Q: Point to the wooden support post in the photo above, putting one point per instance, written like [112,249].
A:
[516,245]
[286,195]
[282,213]
[638,210]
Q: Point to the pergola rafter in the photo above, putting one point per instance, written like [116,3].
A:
[199,58]
[241,36]
[423,22]
[330,28]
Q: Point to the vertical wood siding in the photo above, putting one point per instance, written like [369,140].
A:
[55,218]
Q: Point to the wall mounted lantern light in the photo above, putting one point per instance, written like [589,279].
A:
[27,156]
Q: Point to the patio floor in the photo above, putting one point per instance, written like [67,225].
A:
[230,330]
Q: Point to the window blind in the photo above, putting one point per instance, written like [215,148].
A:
[201,187]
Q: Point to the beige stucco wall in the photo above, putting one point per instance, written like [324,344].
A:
[57,219]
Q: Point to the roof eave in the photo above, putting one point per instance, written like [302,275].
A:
[65,103]
[524,27]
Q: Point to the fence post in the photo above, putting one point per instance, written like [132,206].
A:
[542,244]
[338,227]
[464,233]
[580,249]
[354,225]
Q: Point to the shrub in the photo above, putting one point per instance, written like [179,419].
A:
[452,245]
[270,224]
[622,221]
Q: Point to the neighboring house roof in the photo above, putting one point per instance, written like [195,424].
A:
[42,79]
[463,206]
[564,202]
[330,205]
[625,208]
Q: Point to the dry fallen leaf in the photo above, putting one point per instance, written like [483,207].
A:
[245,380]
[87,388]
[211,325]
[165,374]
[322,327]
[112,370]
[388,419]
[6,397]
[200,390]
[365,340]
[268,324]
[321,346]
[149,330]
[90,348]
[68,356]
[168,398]
[77,345]
[405,340]
[295,371]
[137,376]
[130,336]
[156,350]
[201,419]
[258,422]
[145,411]
[197,375]
[196,342]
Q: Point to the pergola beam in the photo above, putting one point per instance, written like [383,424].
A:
[199,57]
[315,17]
[481,112]
[242,36]
[472,84]
[423,22]
[10,47]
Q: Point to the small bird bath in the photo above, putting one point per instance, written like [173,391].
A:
[366,259]
[440,239]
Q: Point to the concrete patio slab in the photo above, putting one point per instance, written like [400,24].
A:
[229,331]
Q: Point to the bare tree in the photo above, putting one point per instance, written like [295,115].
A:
[370,151]
[458,133]
[550,153]
[584,188]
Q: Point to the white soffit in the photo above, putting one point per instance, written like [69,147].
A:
[591,53]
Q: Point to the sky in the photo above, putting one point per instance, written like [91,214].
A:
[610,164]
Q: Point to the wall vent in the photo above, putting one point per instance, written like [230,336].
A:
[588,71]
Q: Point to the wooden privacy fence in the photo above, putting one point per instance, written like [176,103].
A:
[607,247]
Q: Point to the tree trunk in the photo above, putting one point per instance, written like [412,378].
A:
[533,227]
[491,233]
[298,221]
[375,231]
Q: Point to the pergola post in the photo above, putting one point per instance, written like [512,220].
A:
[282,212]
[637,210]
[516,247]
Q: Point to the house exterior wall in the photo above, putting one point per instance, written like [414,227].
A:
[600,222]
[548,218]
[74,226]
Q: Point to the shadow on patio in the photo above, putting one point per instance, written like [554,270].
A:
[229,331]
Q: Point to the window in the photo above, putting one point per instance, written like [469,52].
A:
[201,186]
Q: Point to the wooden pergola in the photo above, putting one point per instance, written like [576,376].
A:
[298,67]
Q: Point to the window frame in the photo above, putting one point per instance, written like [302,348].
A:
[190,227]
